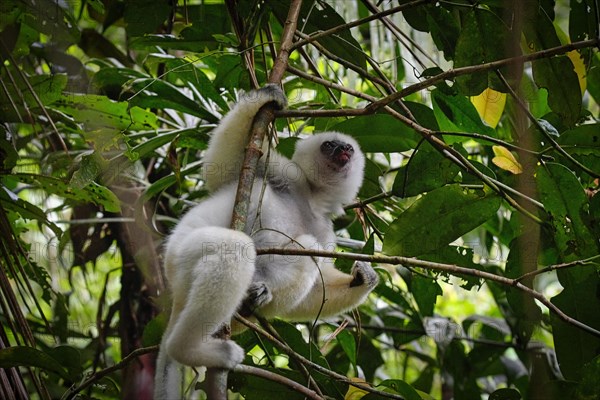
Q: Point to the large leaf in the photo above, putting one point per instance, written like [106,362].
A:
[321,16]
[379,133]
[579,300]
[208,20]
[92,193]
[100,112]
[482,40]
[583,23]
[155,93]
[16,101]
[583,143]
[444,29]
[457,114]
[565,202]
[438,218]
[427,169]
[23,356]
[556,74]
[143,16]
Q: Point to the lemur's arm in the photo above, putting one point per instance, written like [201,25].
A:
[225,154]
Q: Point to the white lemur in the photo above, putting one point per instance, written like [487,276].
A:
[213,271]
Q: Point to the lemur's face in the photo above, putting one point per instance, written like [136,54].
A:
[337,153]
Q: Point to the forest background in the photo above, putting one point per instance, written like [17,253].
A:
[479,208]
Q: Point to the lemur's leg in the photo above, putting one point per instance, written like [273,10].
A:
[209,270]
[342,292]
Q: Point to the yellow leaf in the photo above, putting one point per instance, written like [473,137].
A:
[490,105]
[355,393]
[505,160]
[579,67]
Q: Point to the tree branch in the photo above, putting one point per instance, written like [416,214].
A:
[290,352]
[262,373]
[216,379]
[449,268]
[106,371]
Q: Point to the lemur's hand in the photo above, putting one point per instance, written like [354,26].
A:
[270,93]
[257,296]
[364,274]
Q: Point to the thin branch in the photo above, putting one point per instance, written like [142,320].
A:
[448,268]
[453,73]
[339,28]
[37,99]
[543,131]
[577,263]
[72,392]
[290,352]
[263,373]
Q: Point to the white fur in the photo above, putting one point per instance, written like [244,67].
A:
[211,268]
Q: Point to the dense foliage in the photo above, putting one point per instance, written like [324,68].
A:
[479,207]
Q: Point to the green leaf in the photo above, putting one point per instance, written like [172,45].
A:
[348,344]
[25,209]
[96,112]
[583,143]
[154,330]
[188,72]
[400,387]
[321,17]
[593,78]
[92,193]
[444,29]
[379,133]
[481,40]
[47,88]
[155,93]
[557,75]
[582,20]
[566,204]
[427,169]
[24,356]
[457,114]
[438,218]
[252,387]
[69,357]
[425,291]
[208,20]
[461,256]
[579,300]
[143,16]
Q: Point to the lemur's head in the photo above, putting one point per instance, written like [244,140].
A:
[331,162]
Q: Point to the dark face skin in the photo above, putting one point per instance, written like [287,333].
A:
[338,152]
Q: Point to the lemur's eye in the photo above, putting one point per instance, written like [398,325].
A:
[327,145]
[349,148]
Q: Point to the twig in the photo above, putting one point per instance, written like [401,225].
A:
[262,373]
[290,352]
[543,131]
[577,263]
[339,28]
[453,73]
[449,268]
[106,371]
